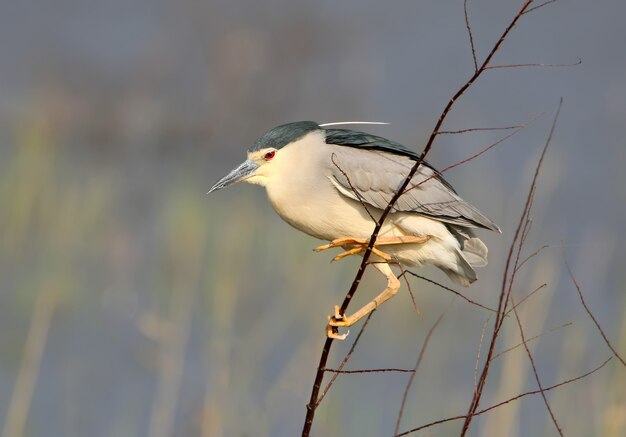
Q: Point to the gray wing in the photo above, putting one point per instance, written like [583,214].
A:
[373,176]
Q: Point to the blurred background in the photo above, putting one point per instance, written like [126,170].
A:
[133,304]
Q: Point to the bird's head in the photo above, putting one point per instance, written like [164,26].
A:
[264,157]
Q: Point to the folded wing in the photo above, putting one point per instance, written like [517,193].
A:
[372,176]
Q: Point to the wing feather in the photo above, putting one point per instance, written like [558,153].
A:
[375,174]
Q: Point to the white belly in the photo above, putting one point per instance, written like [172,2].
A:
[322,212]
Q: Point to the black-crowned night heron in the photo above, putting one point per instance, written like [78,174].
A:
[334,183]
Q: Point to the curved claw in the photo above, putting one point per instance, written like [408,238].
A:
[331,332]
[335,322]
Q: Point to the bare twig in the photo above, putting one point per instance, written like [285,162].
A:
[475,155]
[478,129]
[571,64]
[534,367]
[319,376]
[499,404]
[471,37]
[584,303]
[409,383]
[528,11]
[350,372]
[461,295]
[528,340]
[343,362]
[354,190]
[532,255]
[408,286]
[505,290]
[528,296]
[525,221]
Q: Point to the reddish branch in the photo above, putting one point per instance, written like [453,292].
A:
[535,372]
[525,298]
[507,280]
[461,295]
[352,372]
[532,255]
[471,36]
[528,340]
[478,129]
[499,404]
[534,8]
[496,67]
[344,361]
[403,275]
[582,300]
[417,365]
[472,157]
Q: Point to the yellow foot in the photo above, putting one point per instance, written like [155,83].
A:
[361,244]
[335,322]
[342,321]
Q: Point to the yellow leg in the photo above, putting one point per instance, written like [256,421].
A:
[352,251]
[337,320]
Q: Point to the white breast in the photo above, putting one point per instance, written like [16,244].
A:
[302,194]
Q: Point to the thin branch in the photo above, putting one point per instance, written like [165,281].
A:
[475,155]
[478,129]
[521,231]
[506,291]
[541,287]
[538,6]
[528,227]
[532,255]
[319,376]
[534,367]
[547,331]
[499,404]
[552,387]
[471,37]
[354,190]
[408,286]
[409,383]
[350,372]
[582,300]
[571,64]
[461,295]
[343,362]
[486,149]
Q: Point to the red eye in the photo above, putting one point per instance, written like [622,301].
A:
[270,155]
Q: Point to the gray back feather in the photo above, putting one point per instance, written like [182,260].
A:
[375,173]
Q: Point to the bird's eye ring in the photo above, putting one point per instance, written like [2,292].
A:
[269,155]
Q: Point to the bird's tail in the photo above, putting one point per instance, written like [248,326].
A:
[472,253]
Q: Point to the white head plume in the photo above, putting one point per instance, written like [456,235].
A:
[337,123]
